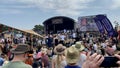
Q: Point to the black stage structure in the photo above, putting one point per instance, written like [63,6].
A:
[58,23]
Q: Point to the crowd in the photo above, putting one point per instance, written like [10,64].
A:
[62,50]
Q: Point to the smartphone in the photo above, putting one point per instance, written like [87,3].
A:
[110,62]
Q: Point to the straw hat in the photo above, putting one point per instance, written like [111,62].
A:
[79,46]
[59,49]
[21,48]
[72,55]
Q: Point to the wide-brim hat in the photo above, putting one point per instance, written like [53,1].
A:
[72,55]
[79,46]
[59,49]
[21,48]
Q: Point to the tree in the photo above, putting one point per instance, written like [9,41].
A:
[38,28]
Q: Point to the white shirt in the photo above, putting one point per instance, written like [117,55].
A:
[3,40]
[39,41]
[103,45]
[74,35]
[23,40]
[114,47]
[81,60]
[43,41]
[95,47]
[62,37]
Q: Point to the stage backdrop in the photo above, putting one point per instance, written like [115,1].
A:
[86,23]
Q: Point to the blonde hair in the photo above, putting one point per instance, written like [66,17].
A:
[59,59]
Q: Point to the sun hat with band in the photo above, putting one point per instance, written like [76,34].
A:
[72,55]
[59,49]
[20,49]
[79,46]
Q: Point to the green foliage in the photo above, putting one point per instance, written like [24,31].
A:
[4,28]
[38,27]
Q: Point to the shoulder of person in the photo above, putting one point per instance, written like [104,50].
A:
[6,65]
[5,62]
[27,66]
[54,57]
[83,56]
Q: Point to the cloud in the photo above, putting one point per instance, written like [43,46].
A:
[15,6]
[115,4]
[17,1]
[59,7]
[63,7]
[10,11]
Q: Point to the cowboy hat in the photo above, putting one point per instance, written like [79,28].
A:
[72,55]
[59,49]
[79,46]
[21,48]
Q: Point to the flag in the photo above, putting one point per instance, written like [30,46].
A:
[107,24]
[99,25]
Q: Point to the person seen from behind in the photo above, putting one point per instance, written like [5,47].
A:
[44,58]
[82,56]
[20,54]
[72,56]
[59,60]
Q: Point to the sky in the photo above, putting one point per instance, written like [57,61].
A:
[24,14]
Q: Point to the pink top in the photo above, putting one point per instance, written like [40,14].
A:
[39,55]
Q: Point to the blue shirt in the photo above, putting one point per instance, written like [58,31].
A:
[1,61]
[72,66]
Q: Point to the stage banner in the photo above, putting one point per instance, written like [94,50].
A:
[87,24]
[99,25]
[83,24]
[107,24]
